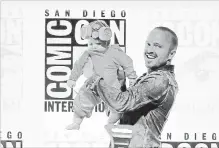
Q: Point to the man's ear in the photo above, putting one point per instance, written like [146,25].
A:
[172,53]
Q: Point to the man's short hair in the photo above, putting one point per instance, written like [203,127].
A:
[174,38]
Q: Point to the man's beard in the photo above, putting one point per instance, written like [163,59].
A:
[158,66]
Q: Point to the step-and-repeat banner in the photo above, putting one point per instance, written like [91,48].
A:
[40,41]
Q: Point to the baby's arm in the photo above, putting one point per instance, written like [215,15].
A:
[127,64]
[77,70]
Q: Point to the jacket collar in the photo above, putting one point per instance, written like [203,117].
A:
[169,68]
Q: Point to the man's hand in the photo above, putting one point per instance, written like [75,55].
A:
[91,82]
[71,83]
[132,82]
[107,110]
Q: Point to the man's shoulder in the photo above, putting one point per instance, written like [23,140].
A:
[156,84]
[159,77]
[164,76]
[153,75]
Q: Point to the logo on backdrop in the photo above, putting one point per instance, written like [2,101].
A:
[12,140]
[62,39]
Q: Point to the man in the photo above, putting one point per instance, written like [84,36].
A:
[146,105]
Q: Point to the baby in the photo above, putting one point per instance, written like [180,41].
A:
[102,59]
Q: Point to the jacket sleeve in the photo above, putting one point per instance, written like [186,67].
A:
[151,89]
[126,62]
[77,70]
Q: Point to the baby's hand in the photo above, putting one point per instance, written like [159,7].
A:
[132,82]
[71,83]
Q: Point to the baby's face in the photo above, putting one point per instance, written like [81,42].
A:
[95,45]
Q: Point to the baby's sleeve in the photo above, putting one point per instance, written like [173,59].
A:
[77,70]
[126,63]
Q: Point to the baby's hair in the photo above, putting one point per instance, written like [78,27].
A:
[99,22]
[102,24]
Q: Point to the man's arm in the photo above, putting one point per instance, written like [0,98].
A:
[150,90]
[77,70]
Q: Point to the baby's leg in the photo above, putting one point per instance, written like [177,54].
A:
[78,114]
[75,125]
[83,106]
[114,117]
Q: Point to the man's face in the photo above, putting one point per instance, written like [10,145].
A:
[157,47]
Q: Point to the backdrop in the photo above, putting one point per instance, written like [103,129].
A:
[40,42]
